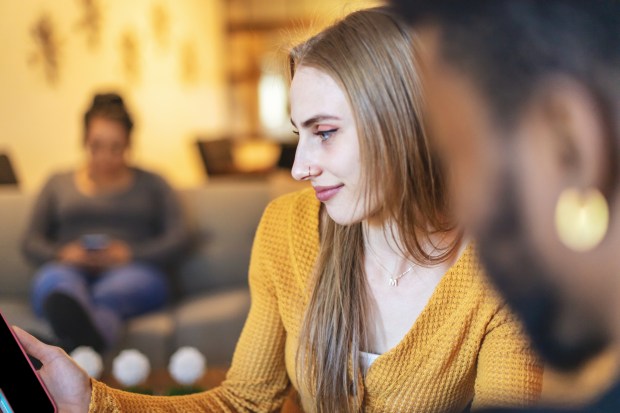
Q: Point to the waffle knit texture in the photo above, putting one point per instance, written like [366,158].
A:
[464,346]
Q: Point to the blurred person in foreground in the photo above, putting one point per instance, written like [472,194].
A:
[102,236]
[524,99]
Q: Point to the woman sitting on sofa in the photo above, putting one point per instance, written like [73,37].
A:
[102,236]
[365,297]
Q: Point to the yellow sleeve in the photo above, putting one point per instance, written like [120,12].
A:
[257,380]
[508,372]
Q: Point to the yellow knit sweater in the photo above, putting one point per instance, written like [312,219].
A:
[465,345]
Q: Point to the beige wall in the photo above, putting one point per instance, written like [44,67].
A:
[41,120]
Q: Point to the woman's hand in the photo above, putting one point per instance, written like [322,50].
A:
[118,253]
[68,384]
[115,254]
[74,253]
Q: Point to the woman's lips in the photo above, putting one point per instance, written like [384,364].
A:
[325,193]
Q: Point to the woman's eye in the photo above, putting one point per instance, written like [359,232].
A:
[295,132]
[326,134]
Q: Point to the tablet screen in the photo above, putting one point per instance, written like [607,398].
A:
[21,390]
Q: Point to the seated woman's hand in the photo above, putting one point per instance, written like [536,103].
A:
[75,254]
[116,253]
[68,384]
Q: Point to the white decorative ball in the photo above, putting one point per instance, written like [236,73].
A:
[187,365]
[89,360]
[131,368]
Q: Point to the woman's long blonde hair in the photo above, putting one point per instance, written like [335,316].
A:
[371,55]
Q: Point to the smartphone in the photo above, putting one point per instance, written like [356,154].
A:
[95,242]
[21,388]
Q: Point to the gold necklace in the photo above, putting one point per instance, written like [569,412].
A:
[393,282]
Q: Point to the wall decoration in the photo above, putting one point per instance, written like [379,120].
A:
[160,21]
[91,21]
[130,55]
[47,44]
[189,63]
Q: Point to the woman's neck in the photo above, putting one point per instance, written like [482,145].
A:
[386,241]
[92,182]
[382,241]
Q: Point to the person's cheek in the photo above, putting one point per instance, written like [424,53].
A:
[458,174]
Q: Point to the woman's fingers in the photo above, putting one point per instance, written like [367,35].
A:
[35,348]
[68,384]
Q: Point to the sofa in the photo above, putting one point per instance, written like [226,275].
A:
[210,291]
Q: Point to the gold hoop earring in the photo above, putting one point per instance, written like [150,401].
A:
[581,218]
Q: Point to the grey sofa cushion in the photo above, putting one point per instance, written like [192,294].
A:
[212,323]
[222,244]
[19,312]
[15,272]
[152,334]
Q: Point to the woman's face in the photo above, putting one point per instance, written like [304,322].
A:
[106,146]
[328,152]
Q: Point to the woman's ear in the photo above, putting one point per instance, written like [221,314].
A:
[579,132]
[580,153]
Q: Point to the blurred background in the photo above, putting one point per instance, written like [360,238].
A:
[189,70]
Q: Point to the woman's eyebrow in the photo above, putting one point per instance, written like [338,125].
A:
[315,119]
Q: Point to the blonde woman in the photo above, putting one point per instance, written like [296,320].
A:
[364,297]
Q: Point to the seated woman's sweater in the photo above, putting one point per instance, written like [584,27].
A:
[147,216]
[464,346]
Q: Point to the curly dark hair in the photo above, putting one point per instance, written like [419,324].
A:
[109,106]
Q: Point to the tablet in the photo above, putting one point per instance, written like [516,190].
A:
[95,242]
[21,388]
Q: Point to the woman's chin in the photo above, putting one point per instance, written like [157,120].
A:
[343,218]
[107,170]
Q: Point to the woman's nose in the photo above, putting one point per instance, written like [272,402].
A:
[303,166]
[300,169]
